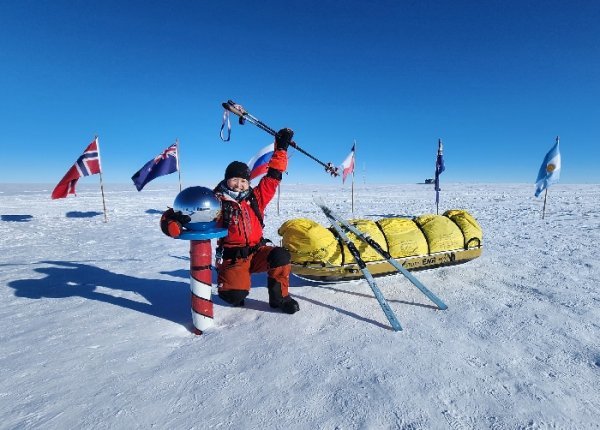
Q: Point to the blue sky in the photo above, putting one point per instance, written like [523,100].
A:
[496,81]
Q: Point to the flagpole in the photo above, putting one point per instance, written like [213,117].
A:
[101,182]
[437,185]
[178,169]
[546,191]
[437,181]
[353,179]
[544,209]
[437,177]
[278,196]
[278,188]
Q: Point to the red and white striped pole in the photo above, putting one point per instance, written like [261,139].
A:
[201,275]
[202,207]
[201,285]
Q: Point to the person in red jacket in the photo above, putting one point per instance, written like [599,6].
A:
[244,250]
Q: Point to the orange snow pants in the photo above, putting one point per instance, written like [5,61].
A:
[234,274]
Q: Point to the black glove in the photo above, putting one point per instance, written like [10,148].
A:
[171,222]
[283,138]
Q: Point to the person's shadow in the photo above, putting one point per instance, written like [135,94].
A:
[169,300]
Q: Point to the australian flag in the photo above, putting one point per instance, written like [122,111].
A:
[164,163]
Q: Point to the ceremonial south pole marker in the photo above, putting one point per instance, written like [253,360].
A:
[203,207]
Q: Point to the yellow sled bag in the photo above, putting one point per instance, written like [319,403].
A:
[424,242]
[308,241]
[441,233]
[404,237]
[366,252]
[469,226]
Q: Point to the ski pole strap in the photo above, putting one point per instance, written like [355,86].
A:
[226,121]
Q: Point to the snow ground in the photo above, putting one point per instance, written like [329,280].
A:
[96,320]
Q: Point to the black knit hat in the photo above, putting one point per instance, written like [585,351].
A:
[237,169]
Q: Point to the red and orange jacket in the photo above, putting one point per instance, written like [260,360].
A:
[245,227]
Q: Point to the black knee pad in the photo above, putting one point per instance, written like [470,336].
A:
[278,257]
[233,297]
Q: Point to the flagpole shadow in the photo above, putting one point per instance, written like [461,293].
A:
[78,214]
[168,300]
[390,216]
[16,218]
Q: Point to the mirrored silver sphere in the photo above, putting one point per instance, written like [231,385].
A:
[201,205]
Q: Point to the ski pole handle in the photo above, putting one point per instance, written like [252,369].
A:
[234,108]
[239,110]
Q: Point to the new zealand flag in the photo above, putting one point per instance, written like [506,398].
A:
[163,164]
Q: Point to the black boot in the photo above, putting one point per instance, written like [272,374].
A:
[276,300]
[289,305]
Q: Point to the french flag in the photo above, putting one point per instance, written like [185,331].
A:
[259,164]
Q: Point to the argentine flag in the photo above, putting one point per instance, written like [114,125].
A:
[549,171]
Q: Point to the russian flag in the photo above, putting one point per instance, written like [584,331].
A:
[259,164]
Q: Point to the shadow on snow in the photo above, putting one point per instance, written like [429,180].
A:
[78,214]
[154,212]
[16,218]
[259,280]
[168,300]
[389,216]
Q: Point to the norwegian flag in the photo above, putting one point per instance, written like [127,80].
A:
[164,163]
[87,164]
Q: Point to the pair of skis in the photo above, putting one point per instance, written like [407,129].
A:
[340,225]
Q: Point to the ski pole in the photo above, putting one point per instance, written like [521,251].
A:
[244,116]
